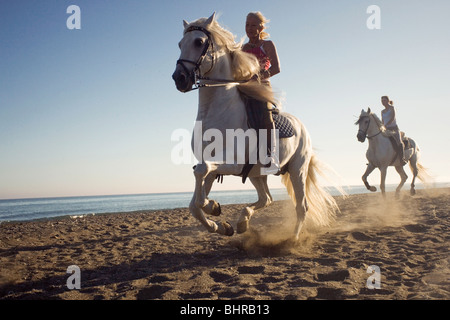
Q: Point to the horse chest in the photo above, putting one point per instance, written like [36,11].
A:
[380,152]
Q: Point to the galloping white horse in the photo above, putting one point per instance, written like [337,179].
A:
[381,154]
[214,63]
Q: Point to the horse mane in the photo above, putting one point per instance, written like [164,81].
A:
[378,122]
[243,65]
[375,117]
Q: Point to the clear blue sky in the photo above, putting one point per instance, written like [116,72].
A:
[91,111]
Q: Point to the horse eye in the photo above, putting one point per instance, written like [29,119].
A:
[198,42]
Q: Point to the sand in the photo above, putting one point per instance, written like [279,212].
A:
[166,254]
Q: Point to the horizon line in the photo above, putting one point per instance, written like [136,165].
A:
[179,192]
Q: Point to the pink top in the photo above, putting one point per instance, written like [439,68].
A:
[259,53]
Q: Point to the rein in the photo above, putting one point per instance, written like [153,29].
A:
[195,75]
[374,135]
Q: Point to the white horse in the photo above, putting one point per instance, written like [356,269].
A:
[214,63]
[381,153]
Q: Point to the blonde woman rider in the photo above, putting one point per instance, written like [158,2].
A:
[269,62]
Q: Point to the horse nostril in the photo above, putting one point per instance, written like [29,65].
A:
[178,77]
[182,77]
[181,80]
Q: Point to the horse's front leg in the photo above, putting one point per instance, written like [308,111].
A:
[369,169]
[383,172]
[198,201]
[204,176]
[213,207]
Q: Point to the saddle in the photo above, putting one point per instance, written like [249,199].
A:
[408,149]
[255,121]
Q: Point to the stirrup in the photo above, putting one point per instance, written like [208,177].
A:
[273,167]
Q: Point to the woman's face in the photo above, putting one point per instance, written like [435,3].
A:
[385,101]
[253,27]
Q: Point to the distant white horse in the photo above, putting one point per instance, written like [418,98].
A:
[214,63]
[381,153]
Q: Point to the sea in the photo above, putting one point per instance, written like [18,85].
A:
[48,208]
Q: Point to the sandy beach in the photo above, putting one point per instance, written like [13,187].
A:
[166,254]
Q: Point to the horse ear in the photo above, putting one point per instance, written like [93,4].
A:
[185,23]
[368,110]
[211,19]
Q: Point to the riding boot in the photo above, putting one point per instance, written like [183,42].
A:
[400,146]
[401,152]
[273,164]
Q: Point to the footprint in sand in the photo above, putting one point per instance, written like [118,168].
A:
[339,275]
[220,276]
[251,270]
[360,236]
[417,228]
[152,292]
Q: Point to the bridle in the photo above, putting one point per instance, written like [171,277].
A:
[367,128]
[194,74]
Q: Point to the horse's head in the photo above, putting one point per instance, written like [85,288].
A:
[364,123]
[194,59]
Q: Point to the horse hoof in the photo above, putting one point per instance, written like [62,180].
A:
[213,208]
[216,210]
[228,229]
[412,192]
[242,226]
[373,189]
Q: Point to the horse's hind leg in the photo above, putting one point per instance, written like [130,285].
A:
[403,177]
[264,199]
[415,171]
[297,176]
[266,187]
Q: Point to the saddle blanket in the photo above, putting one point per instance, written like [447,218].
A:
[281,122]
[284,125]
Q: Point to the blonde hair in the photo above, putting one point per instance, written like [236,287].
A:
[262,21]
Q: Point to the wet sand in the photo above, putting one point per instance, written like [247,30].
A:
[166,254]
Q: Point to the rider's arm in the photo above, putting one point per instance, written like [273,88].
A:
[271,52]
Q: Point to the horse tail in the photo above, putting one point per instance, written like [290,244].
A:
[286,180]
[422,172]
[322,207]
